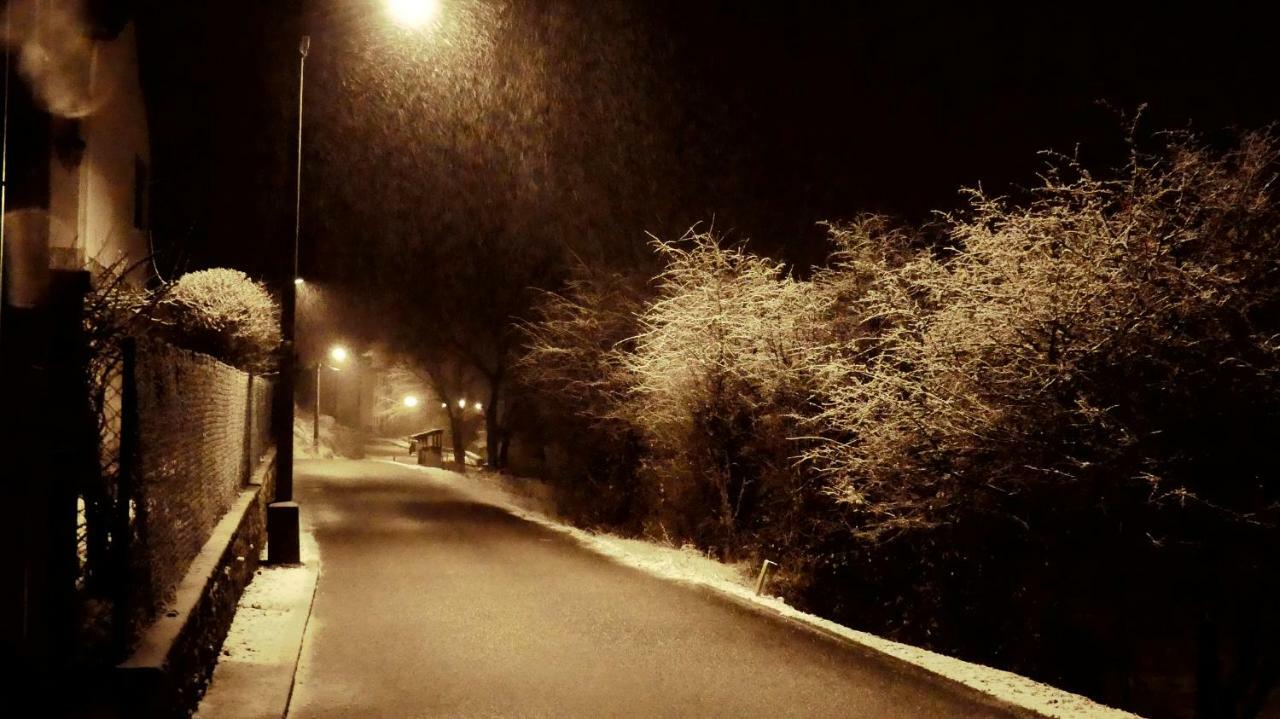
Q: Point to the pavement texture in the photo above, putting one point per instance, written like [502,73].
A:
[432,604]
[255,672]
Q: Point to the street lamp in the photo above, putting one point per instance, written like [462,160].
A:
[282,514]
[338,354]
[410,401]
[413,13]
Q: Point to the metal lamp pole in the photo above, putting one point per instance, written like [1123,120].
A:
[282,515]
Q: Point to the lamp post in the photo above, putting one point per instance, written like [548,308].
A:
[338,354]
[282,514]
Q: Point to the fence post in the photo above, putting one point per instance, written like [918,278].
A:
[246,440]
[125,585]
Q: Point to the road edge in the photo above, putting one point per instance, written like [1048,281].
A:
[1005,689]
[249,687]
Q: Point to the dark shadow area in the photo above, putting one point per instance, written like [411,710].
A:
[462,511]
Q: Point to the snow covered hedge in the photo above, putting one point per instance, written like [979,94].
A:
[225,314]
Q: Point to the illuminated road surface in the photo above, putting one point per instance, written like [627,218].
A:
[432,605]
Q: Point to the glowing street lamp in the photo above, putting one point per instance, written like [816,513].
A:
[410,401]
[283,544]
[462,404]
[338,354]
[478,406]
[413,13]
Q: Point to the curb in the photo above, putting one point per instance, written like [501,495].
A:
[258,667]
[873,654]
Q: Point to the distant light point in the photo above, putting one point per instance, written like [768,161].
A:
[297,281]
[410,401]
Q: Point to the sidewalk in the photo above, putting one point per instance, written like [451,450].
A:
[255,672]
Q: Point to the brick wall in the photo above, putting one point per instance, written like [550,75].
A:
[203,427]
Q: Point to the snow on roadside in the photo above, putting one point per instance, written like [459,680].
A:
[304,446]
[271,596]
[688,565]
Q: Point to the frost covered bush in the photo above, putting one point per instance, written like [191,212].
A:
[1109,342]
[1039,434]
[717,373]
[1059,420]
[223,313]
[573,364]
[692,390]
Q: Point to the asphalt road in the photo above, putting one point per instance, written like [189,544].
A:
[433,605]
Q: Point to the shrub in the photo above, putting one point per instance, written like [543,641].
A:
[573,366]
[1038,433]
[223,313]
[1062,417]
[717,375]
[1110,341]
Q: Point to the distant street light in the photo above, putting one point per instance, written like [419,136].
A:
[462,404]
[410,401]
[478,406]
[413,13]
[338,354]
[297,282]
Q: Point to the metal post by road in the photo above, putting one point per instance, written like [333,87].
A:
[764,575]
[315,425]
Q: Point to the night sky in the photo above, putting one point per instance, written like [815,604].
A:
[767,117]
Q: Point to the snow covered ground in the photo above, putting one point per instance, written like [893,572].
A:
[256,666]
[531,501]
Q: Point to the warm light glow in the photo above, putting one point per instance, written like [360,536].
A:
[444,405]
[297,281]
[338,353]
[462,404]
[410,401]
[413,13]
[478,406]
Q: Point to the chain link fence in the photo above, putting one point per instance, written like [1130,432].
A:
[178,436]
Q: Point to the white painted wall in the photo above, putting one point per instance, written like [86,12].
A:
[91,204]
